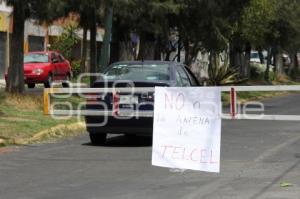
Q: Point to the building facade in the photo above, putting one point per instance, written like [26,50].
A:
[36,36]
[5,13]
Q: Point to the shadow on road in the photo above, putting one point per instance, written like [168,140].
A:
[126,141]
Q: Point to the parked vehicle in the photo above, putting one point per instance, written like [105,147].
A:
[133,74]
[44,68]
[254,57]
[286,61]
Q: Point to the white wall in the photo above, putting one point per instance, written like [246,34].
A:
[4,7]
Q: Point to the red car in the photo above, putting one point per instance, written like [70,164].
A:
[45,67]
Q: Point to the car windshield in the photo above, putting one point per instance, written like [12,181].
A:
[36,58]
[138,72]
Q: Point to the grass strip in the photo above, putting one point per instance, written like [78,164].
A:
[22,118]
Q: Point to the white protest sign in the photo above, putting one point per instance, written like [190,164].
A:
[187,128]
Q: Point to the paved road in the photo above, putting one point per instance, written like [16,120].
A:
[256,157]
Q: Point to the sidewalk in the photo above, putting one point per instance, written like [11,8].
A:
[2,83]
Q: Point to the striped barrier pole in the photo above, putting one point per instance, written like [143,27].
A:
[233,103]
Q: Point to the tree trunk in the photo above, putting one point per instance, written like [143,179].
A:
[187,60]
[269,60]
[106,45]
[83,51]
[121,50]
[236,59]
[158,49]
[125,51]
[261,56]
[278,63]
[297,64]
[293,65]
[235,53]
[179,50]
[121,45]
[192,54]
[232,52]
[246,72]
[93,47]
[115,44]
[15,83]
[147,47]
[168,54]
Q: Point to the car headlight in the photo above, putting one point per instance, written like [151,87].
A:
[38,71]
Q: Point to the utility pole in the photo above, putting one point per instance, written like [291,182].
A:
[105,50]
[26,42]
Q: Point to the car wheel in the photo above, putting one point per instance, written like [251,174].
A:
[31,85]
[66,83]
[98,138]
[49,81]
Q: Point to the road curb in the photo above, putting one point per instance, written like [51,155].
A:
[2,142]
[55,132]
[58,131]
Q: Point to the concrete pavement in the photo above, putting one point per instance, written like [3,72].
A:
[2,83]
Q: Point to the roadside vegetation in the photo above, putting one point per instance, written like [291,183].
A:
[158,29]
[243,97]
[256,95]
[22,121]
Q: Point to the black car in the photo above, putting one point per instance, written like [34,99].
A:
[137,74]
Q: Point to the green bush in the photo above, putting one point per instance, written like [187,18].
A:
[222,74]
[257,72]
[75,68]
[66,42]
[272,75]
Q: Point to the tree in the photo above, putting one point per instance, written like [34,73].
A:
[148,19]
[272,25]
[90,15]
[89,12]
[290,31]
[66,41]
[216,21]
[283,34]
[45,12]
[252,30]
[36,9]
[15,81]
